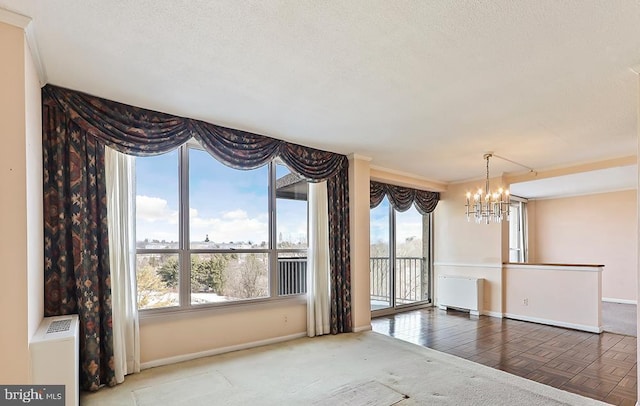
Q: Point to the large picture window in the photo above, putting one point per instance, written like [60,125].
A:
[208,234]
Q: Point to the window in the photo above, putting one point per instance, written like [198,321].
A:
[400,263]
[208,234]
[518,230]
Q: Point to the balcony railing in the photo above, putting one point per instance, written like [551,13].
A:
[411,280]
[292,276]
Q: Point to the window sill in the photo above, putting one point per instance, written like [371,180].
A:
[172,313]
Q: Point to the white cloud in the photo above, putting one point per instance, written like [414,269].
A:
[234,226]
[238,214]
[157,221]
[155,209]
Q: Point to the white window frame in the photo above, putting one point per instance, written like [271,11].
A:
[184,251]
[520,226]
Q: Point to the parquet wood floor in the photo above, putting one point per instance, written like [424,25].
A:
[599,366]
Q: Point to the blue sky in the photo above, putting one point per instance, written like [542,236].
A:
[231,205]
[408,224]
[226,204]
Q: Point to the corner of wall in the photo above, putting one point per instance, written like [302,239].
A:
[35,227]
[359,176]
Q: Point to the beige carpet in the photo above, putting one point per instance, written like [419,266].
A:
[346,369]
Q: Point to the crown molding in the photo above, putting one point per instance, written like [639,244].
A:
[15,19]
[26,24]
[406,179]
[355,156]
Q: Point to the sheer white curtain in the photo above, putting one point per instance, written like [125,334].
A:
[120,208]
[318,313]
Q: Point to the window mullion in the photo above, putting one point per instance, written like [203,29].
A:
[185,257]
[392,256]
[273,253]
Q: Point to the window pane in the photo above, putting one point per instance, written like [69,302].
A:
[516,232]
[228,208]
[410,270]
[157,201]
[228,277]
[157,280]
[292,273]
[291,208]
[379,261]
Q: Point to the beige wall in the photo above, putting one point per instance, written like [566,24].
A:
[21,243]
[592,229]
[468,249]
[541,294]
[35,234]
[183,336]
[359,233]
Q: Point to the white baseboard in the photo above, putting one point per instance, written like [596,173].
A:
[362,328]
[216,351]
[474,312]
[622,301]
[590,329]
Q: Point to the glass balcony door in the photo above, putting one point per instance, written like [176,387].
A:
[400,271]
[380,271]
[410,270]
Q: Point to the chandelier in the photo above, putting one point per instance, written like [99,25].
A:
[485,206]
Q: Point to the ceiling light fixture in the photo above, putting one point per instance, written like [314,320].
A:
[485,206]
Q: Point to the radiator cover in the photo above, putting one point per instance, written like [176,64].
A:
[461,293]
[55,355]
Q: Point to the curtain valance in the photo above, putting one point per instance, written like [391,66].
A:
[137,131]
[401,198]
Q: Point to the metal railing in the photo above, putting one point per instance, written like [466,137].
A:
[411,284]
[411,278]
[292,276]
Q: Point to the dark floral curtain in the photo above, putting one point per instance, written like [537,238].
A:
[140,132]
[76,249]
[401,198]
[339,257]
[78,271]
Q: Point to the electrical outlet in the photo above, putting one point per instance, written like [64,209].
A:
[525,302]
[285,318]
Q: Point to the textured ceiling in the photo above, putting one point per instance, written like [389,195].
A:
[422,87]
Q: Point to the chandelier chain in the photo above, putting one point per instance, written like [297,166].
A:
[486,185]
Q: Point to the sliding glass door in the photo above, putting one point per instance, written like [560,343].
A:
[400,263]
[379,260]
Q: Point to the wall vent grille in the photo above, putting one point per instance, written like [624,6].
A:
[59,326]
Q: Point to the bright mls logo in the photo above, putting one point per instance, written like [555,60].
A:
[44,395]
